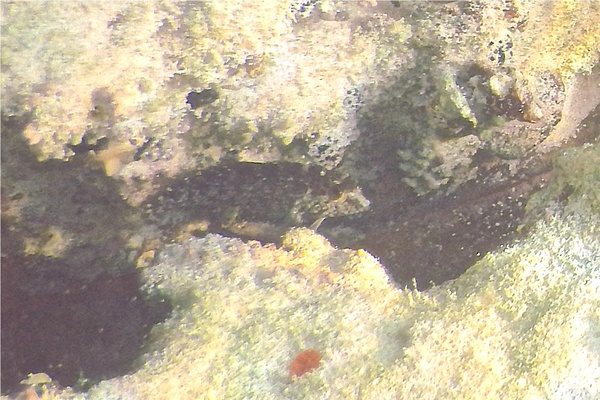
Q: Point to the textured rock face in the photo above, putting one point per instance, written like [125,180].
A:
[172,86]
[135,72]
[110,106]
[521,323]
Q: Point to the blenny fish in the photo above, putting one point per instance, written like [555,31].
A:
[254,200]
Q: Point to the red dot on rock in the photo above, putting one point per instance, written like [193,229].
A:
[304,362]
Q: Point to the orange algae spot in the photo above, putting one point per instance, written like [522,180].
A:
[304,362]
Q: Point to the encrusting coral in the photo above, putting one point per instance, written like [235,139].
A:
[125,71]
[290,88]
[522,322]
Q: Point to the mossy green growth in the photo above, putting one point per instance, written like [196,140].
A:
[453,99]
[278,78]
[440,163]
[575,183]
[488,61]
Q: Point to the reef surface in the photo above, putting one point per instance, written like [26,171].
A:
[136,136]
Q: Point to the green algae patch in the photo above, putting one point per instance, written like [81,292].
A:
[275,80]
[575,183]
[288,80]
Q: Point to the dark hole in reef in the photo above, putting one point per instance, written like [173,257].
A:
[88,332]
[86,145]
[201,98]
[429,240]
[67,316]
[142,149]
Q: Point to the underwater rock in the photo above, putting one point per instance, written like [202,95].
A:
[521,323]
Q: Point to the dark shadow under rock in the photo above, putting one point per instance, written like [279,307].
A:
[88,332]
[433,240]
[71,300]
